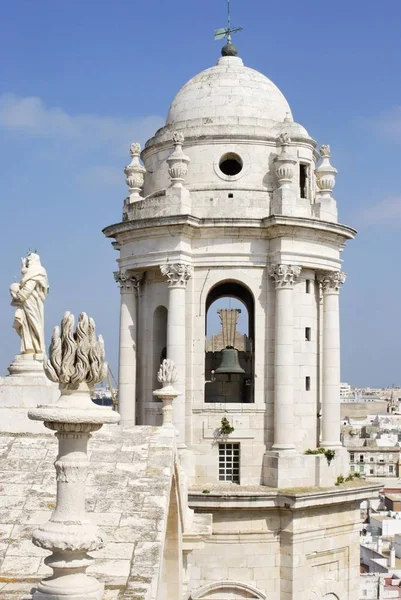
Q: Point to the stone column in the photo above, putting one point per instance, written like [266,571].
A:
[284,277]
[331,283]
[129,287]
[177,275]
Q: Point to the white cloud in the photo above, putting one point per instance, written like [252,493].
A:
[30,115]
[385,211]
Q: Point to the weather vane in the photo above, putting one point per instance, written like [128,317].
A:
[227,32]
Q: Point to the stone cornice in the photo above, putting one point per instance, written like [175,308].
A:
[283,499]
[273,226]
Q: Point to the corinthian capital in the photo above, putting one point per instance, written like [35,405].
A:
[128,282]
[284,276]
[177,274]
[331,281]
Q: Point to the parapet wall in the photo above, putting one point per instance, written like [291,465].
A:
[128,495]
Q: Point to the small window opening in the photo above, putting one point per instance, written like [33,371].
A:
[307,286]
[307,334]
[231,164]
[231,195]
[303,179]
[229,462]
[307,383]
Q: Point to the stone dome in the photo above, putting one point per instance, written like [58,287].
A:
[229,90]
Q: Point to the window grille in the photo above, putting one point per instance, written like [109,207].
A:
[229,462]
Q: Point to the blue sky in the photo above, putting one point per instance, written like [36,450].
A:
[80,80]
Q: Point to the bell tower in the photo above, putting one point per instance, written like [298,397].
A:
[232,199]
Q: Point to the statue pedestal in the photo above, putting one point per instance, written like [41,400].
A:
[25,387]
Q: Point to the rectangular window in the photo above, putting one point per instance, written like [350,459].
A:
[371,459]
[390,458]
[371,471]
[361,458]
[307,334]
[307,286]
[303,180]
[391,469]
[361,468]
[229,462]
[352,468]
[307,383]
[351,456]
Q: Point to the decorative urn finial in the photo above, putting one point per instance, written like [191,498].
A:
[167,376]
[284,162]
[178,162]
[325,173]
[135,174]
[76,362]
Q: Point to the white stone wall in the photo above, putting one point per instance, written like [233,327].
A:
[282,554]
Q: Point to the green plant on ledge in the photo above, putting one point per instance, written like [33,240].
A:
[350,477]
[226,428]
[329,454]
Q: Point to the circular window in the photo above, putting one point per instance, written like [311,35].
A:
[231,164]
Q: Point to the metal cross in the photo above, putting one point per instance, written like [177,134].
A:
[220,34]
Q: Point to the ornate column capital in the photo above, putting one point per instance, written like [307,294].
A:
[177,274]
[331,281]
[284,276]
[128,281]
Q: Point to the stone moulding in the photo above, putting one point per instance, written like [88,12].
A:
[246,590]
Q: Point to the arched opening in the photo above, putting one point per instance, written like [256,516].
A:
[221,590]
[159,342]
[229,345]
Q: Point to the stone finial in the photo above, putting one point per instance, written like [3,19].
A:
[284,139]
[325,173]
[135,174]
[76,360]
[284,162]
[76,357]
[167,376]
[178,162]
[325,151]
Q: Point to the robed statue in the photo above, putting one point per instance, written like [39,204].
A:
[28,297]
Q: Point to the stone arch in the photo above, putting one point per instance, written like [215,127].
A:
[227,590]
[329,590]
[237,386]
[235,289]
[159,341]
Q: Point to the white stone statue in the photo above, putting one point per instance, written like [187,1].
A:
[28,297]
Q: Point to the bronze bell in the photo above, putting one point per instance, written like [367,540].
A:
[229,361]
